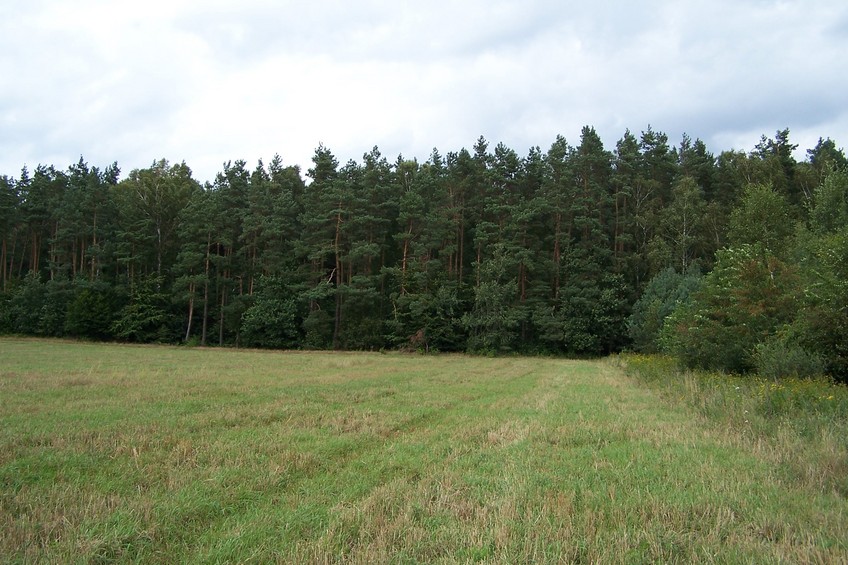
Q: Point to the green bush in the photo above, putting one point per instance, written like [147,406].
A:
[58,294]
[146,317]
[778,358]
[92,311]
[272,322]
[746,298]
[25,306]
[663,294]
[5,312]
[318,330]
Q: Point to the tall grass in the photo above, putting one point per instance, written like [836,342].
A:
[116,454]
[799,424]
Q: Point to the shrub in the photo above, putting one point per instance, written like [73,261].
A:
[145,318]
[778,358]
[5,313]
[662,295]
[25,306]
[92,311]
[271,322]
[748,295]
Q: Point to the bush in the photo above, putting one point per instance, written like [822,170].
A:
[271,322]
[428,320]
[5,312]
[746,298]
[698,341]
[778,358]
[663,294]
[92,311]
[318,330]
[25,306]
[145,318]
[274,318]
[58,294]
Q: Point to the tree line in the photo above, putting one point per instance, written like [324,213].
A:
[728,262]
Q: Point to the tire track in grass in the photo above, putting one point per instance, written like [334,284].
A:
[368,463]
[627,479]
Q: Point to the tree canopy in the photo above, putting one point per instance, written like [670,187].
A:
[575,250]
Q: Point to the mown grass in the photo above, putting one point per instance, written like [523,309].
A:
[161,455]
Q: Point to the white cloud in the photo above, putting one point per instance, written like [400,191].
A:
[207,82]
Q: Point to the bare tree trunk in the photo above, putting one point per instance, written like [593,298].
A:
[460,258]
[405,258]
[204,331]
[339,280]
[3,264]
[206,293]
[23,256]
[252,268]
[81,267]
[158,252]
[54,253]
[557,253]
[94,247]
[479,264]
[34,251]
[190,310]
[221,315]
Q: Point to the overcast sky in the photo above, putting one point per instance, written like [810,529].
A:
[210,81]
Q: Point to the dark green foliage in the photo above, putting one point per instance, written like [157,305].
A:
[667,291]
[825,157]
[318,330]
[593,315]
[762,218]
[480,250]
[588,318]
[429,321]
[829,208]
[37,308]
[743,301]
[147,317]
[777,167]
[92,310]
[493,322]
[58,295]
[275,318]
[679,241]
[822,251]
[361,325]
[781,357]
[149,203]
[5,313]
[25,306]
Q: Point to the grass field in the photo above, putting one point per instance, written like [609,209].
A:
[115,453]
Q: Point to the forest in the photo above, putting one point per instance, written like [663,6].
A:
[736,262]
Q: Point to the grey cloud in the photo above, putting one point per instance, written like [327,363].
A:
[213,81]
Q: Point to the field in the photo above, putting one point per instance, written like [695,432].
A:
[122,454]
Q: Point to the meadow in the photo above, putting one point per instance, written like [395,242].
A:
[150,454]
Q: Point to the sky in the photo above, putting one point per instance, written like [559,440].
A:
[209,81]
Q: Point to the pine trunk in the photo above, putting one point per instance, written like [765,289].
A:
[206,292]
[3,264]
[190,310]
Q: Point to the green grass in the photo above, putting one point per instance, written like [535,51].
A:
[161,455]
[800,425]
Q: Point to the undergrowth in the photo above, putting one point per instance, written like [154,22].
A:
[800,423]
